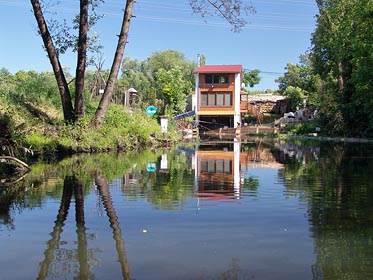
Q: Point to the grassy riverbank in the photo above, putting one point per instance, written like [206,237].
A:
[39,127]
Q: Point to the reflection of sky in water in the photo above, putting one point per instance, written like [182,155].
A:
[266,176]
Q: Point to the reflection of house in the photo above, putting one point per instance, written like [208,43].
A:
[218,171]
[218,89]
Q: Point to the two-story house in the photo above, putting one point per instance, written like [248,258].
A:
[217,95]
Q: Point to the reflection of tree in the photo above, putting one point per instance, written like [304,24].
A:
[71,185]
[341,214]
[16,198]
[166,189]
[174,186]
[53,243]
[114,224]
[339,192]
[81,231]
[251,184]
[6,201]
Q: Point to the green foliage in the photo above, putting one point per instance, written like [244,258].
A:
[7,125]
[294,96]
[251,78]
[135,76]
[11,135]
[301,76]
[30,118]
[29,86]
[304,128]
[129,129]
[121,130]
[342,55]
[174,89]
[142,75]
[40,143]
[256,92]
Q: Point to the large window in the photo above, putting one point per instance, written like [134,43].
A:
[216,166]
[216,78]
[217,99]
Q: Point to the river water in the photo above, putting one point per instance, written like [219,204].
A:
[249,209]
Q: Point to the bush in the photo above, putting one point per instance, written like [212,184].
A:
[41,143]
[304,128]
[7,126]
[11,136]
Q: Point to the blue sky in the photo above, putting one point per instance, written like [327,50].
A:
[277,33]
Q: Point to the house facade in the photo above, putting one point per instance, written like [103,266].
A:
[218,95]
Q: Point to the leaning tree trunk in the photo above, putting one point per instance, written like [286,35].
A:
[82,60]
[105,99]
[54,60]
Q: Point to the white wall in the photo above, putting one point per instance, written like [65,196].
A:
[237,99]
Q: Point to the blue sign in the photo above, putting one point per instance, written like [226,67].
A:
[151,110]
[151,167]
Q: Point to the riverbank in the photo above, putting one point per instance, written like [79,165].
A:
[39,131]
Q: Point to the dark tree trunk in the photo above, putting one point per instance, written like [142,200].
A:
[82,60]
[67,107]
[105,100]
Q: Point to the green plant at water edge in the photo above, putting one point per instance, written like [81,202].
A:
[11,136]
[301,128]
[41,143]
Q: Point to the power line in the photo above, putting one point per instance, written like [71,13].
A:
[188,18]
[266,72]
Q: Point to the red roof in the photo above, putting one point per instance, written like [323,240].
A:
[234,68]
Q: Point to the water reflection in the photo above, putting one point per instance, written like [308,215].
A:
[221,168]
[57,260]
[65,257]
[295,210]
[104,192]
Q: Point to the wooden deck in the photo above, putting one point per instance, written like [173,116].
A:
[262,129]
[240,131]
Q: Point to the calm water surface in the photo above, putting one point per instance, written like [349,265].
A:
[250,209]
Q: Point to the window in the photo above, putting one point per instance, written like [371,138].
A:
[211,99]
[216,78]
[220,98]
[216,166]
[208,79]
[216,99]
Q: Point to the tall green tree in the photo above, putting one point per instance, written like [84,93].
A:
[301,76]
[142,75]
[295,97]
[251,77]
[168,60]
[342,54]
[174,89]
[133,76]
